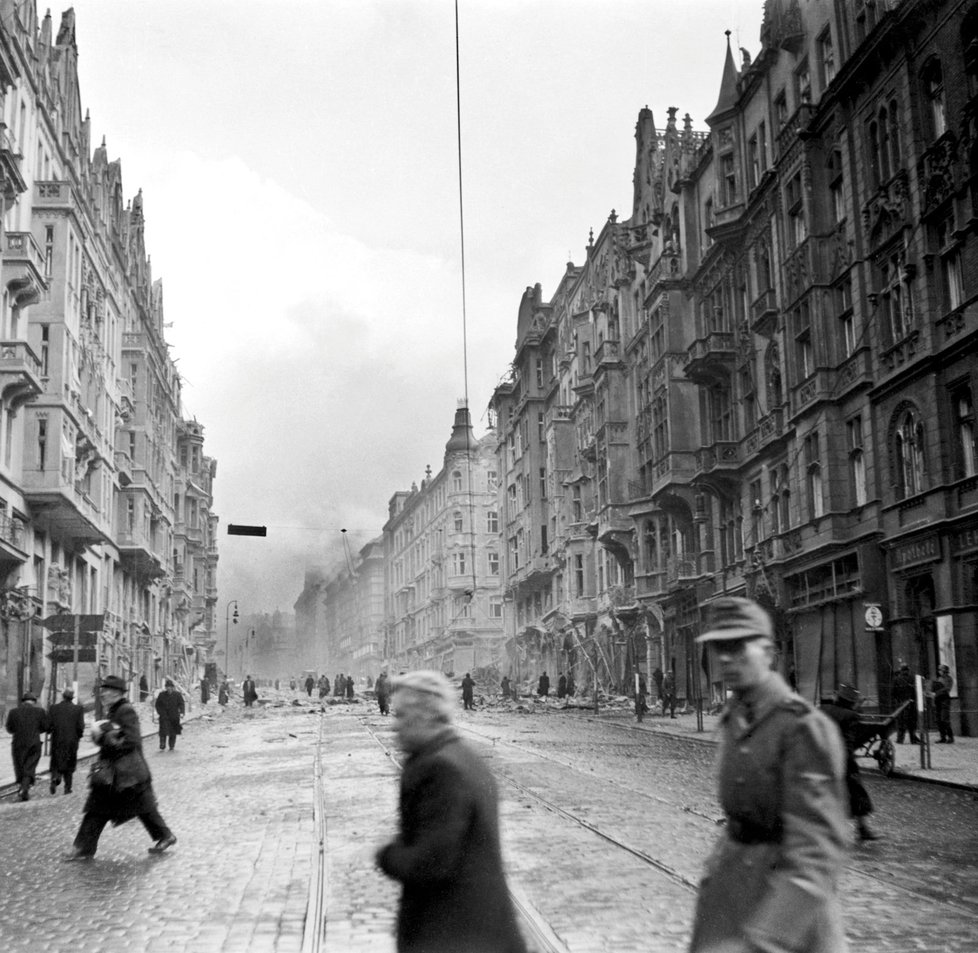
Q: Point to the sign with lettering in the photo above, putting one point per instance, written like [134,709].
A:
[924,550]
[965,539]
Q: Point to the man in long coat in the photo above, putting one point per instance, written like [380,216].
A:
[468,692]
[249,693]
[771,881]
[67,725]
[382,688]
[543,685]
[447,854]
[169,708]
[131,791]
[26,723]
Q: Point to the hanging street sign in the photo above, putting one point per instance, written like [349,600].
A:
[240,529]
[68,638]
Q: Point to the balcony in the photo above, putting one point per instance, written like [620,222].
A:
[12,541]
[123,468]
[811,392]
[137,552]
[764,313]
[23,269]
[20,374]
[62,509]
[13,179]
[711,358]
[718,464]
[608,356]
[667,268]
[681,570]
[770,429]
[855,372]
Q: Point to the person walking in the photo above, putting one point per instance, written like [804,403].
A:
[339,685]
[561,685]
[27,722]
[641,699]
[310,685]
[669,694]
[130,791]
[249,693]
[143,688]
[224,693]
[205,691]
[504,686]
[323,686]
[571,686]
[382,690]
[843,710]
[658,677]
[468,693]
[543,685]
[941,691]
[771,881]
[904,690]
[67,725]
[447,854]
[349,688]
[169,708]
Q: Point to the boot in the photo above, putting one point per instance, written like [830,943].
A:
[863,830]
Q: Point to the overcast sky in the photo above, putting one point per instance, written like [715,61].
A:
[300,180]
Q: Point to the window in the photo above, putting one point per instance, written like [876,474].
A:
[728,180]
[720,412]
[543,483]
[826,57]
[762,144]
[544,542]
[933,77]
[908,453]
[42,443]
[492,522]
[857,460]
[964,422]
[803,83]
[756,513]
[780,500]
[541,426]
[753,162]
[843,309]
[45,348]
[749,398]
[577,505]
[780,112]
[492,480]
[731,545]
[895,301]
[495,607]
[950,252]
[804,347]
[456,481]
[797,229]
[458,563]
[514,553]
[813,475]
[651,549]
[457,521]
[493,562]
[578,575]
[539,373]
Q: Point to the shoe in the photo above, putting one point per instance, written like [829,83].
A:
[54,787]
[77,854]
[164,843]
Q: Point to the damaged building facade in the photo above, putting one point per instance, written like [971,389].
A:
[105,491]
[761,382]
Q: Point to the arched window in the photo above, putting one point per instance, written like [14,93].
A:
[908,453]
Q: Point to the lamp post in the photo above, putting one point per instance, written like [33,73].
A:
[227,630]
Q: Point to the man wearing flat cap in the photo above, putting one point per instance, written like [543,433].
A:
[26,723]
[771,882]
[67,727]
[447,854]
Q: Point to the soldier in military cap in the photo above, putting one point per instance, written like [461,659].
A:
[771,882]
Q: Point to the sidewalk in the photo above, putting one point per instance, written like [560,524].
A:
[87,747]
[953,765]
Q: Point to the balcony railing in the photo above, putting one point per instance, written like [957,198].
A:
[720,455]
[764,312]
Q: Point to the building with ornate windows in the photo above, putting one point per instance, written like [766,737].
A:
[105,492]
[762,381]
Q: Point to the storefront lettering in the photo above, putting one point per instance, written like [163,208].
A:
[921,551]
[965,539]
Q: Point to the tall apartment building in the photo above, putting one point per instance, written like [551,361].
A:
[443,595]
[105,493]
[762,381]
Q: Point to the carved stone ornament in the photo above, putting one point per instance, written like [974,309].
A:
[937,171]
[886,212]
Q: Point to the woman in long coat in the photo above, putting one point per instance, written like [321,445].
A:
[447,855]
[130,793]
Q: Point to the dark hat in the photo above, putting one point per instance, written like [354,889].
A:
[28,697]
[169,683]
[736,618]
[113,681]
[68,693]
[847,693]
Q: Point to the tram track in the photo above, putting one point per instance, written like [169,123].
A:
[714,821]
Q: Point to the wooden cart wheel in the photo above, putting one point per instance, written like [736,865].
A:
[885,756]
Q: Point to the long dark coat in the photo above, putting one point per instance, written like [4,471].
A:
[771,881]
[123,746]
[447,856]
[169,708]
[26,723]
[67,727]
[860,803]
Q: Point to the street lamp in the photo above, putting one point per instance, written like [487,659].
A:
[227,630]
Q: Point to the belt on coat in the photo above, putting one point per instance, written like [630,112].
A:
[749,832]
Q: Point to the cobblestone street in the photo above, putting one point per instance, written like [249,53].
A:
[605,832]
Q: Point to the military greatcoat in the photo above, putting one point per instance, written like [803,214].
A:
[770,883]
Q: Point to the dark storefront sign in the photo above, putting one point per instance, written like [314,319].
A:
[924,550]
[965,540]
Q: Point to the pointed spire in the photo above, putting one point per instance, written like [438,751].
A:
[728,86]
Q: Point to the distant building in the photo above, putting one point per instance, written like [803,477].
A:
[443,591]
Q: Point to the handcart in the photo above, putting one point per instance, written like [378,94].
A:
[872,738]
